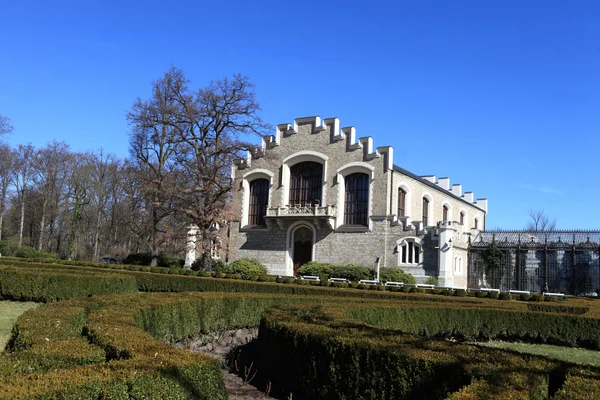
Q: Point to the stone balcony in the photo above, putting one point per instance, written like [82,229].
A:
[282,217]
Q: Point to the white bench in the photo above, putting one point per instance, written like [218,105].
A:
[549,294]
[368,282]
[341,280]
[394,284]
[310,278]
[519,292]
[425,285]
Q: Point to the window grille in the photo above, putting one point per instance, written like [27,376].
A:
[259,199]
[356,207]
[306,184]
[401,202]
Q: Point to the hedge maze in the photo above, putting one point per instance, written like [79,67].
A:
[108,338]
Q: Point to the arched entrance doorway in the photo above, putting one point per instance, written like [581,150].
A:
[303,245]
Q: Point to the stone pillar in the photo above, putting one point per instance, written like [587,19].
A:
[447,235]
[190,256]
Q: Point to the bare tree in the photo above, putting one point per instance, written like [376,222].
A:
[217,119]
[184,143]
[155,123]
[50,166]
[22,175]
[5,125]
[6,170]
[540,222]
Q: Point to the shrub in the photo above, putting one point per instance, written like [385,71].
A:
[138,259]
[537,297]
[314,268]
[493,295]
[503,296]
[168,261]
[460,293]
[395,275]
[244,266]
[30,252]
[524,297]
[432,280]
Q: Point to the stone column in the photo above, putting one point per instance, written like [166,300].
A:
[447,232]
[190,256]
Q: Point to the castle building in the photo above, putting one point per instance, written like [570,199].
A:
[316,193]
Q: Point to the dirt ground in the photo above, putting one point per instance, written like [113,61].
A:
[220,345]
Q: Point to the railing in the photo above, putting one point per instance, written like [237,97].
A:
[324,211]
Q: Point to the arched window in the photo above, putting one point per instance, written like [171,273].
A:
[425,211]
[356,206]
[445,213]
[401,202]
[409,252]
[462,217]
[306,183]
[259,199]
[476,224]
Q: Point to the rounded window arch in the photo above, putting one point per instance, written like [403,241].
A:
[427,210]
[403,201]
[308,185]
[355,190]
[475,223]
[256,186]
[462,217]
[446,212]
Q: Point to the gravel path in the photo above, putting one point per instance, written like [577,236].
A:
[220,345]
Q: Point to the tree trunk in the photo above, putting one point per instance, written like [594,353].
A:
[97,237]
[22,219]
[42,224]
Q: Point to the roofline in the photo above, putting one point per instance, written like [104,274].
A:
[434,186]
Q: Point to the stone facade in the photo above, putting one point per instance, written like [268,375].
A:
[292,232]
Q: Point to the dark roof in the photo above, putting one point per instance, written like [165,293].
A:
[433,185]
[590,238]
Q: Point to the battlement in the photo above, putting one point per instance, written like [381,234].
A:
[456,189]
[317,125]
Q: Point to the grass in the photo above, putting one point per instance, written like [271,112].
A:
[9,312]
[570,354]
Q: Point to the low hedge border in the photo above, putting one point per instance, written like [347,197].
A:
[139,364]
[476,323]
[317,354]
[298,341]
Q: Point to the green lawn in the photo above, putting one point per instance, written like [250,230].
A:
[9,312]
[574,355]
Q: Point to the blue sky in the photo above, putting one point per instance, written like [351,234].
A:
[500,96]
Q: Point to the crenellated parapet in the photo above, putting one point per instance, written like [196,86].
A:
[457,190]
[317,125]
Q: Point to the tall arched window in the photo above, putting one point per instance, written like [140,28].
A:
[445,213]
[425,211]
[401,202]
[476,224]
[259,199]
[462,217]
[356,206]
[306,183]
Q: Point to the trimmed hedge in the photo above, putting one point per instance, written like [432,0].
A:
[353,349]
[476,323]
[354,273]
[345,360]
[47,286]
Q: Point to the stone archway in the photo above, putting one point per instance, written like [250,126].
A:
[302,247]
